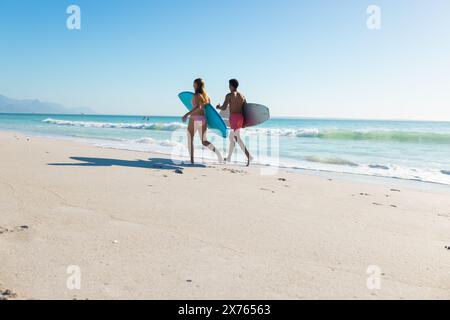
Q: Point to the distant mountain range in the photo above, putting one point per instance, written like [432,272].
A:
[8,105]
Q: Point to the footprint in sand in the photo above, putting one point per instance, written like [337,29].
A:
[6,294]
[380,204]
[234,171]
[13,230]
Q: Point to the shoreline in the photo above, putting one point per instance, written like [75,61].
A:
[139,230]
[403,182]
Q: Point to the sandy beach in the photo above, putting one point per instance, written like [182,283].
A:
[136,229]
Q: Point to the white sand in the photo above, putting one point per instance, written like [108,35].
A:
[138,232]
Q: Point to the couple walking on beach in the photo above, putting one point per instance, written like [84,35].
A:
[197,119]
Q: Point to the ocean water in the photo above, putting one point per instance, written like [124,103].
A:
[409,150]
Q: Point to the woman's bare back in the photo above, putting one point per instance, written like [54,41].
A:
[197,103]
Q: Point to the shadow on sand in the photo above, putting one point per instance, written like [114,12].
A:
[153,163]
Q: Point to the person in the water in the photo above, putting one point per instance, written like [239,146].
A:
[197,120]
[236,102]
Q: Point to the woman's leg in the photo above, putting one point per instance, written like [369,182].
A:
[208,144]
[237,135]
[190,137]
[232,146]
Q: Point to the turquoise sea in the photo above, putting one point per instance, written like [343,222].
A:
[409,150]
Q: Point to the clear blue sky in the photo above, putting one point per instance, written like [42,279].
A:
[301,58]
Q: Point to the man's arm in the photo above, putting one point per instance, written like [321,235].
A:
[244,99]
[225,105]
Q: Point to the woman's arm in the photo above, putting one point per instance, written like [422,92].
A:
[195,106]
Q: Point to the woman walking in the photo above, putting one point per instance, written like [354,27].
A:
[197,120]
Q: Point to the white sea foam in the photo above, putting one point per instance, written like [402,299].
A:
[356,135]
[151,141]
[159,126]
[306,133]
[325,134]
[315,163]
[334,160]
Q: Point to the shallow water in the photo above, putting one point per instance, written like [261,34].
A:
[410,150]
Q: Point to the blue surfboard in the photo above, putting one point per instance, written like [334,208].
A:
[215,121]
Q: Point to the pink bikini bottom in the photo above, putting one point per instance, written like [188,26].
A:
[201,119]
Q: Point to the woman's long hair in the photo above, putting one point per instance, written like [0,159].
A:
[201,92]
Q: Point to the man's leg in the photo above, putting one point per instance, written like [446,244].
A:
[232,145]
[237,135]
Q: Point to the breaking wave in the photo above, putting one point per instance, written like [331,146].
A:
[160,126]
[331,134]
[378,135]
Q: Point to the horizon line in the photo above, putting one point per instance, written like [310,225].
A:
[272,118]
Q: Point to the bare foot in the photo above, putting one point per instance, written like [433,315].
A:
[249,160]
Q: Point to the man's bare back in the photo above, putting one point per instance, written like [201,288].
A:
[236,102]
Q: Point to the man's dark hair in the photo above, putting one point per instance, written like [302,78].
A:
[234,83]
